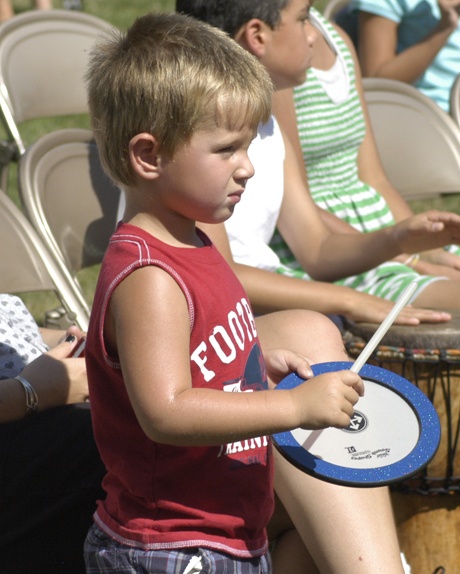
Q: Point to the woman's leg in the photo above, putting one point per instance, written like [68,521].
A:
[440,295]
[289,553]
[345,530]
[306,332]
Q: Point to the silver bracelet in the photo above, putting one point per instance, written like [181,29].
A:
[31,395]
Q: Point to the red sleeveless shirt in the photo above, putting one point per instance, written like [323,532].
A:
[161,496]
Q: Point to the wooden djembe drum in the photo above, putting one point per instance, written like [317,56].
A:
[426,506]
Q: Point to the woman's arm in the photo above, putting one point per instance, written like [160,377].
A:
[55,379]
[434,262]
[370,170]
[330,256]
[370,167]
[377,40]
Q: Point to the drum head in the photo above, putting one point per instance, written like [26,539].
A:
[394,433]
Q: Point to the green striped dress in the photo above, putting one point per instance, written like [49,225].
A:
[331,134]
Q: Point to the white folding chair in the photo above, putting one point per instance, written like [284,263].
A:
[69,200]
[27,266]
[43,57]
[419,143]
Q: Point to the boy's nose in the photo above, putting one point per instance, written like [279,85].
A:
[249,168]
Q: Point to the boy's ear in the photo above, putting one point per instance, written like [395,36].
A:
[253,37]
[144,155]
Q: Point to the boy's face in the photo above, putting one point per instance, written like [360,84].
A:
[289,49]
[206,177]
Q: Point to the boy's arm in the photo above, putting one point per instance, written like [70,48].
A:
[152,339]
[269,291]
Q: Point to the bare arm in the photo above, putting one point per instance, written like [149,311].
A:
[55,379]
[52,337]
[284,111]
[270,291]
[434,262]
[152,339]
[371,171]
[369,164]
[330,256]
[378,42]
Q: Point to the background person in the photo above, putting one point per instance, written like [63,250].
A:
[414,41]
[50,469]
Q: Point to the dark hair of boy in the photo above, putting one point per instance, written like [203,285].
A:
[230,15]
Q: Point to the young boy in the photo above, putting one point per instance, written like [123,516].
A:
[178,384]
[346,530]
[280,35]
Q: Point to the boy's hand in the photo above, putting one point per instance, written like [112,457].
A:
[426,231]
[281,362]
[328,399]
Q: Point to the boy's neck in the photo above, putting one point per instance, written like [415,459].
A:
[175,233]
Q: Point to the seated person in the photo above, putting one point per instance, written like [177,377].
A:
[7,9]
[269,39]
[273,198]
[343,167]
[414,41]
[50,467]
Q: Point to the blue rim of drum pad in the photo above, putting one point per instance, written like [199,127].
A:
[418,457]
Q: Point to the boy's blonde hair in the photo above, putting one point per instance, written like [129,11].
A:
[170,75]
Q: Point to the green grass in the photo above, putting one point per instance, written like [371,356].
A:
[121,13]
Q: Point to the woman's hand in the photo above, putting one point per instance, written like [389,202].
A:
[450,10]
[428,230]
[56,378]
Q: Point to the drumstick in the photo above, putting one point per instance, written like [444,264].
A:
[386,324]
